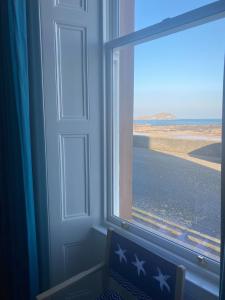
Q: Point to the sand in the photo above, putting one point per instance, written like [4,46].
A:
[208,132]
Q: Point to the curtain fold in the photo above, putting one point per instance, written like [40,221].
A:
[18,251]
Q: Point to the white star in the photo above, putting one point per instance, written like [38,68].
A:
[162,280]
[121,254]
[139,265]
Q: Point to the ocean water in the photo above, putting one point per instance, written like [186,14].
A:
[180,122]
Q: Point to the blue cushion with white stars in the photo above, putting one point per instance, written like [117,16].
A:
[110,295]
[141,272]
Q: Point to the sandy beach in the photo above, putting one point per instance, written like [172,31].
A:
[195,132]
[199,144]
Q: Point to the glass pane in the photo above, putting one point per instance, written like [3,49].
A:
[137,14]
[168,111]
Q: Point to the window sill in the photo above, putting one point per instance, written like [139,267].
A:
[197,286]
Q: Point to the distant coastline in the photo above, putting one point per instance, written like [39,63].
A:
[173,122]
[189,129]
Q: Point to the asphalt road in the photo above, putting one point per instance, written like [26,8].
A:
[178,190]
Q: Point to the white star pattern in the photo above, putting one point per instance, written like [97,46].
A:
[139,265]
[121,253]
[162,280]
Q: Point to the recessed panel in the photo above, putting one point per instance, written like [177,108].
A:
[71,72]
[76,257]
[75,4]
[74,175]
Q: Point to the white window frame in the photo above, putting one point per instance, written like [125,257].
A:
[206,268]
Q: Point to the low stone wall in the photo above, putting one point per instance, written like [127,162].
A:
[186,146]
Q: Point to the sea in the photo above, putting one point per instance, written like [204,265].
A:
[198,122]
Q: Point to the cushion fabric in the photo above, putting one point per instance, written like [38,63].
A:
[110,295]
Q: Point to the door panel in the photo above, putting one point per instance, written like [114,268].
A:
[70,39]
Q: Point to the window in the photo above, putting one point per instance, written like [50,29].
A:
[164,114]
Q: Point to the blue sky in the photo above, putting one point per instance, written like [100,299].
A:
[181,73]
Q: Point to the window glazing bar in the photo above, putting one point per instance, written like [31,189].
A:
[168,26]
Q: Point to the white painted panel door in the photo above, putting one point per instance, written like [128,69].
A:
[71,66]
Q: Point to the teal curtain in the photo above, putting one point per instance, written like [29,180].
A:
[18,251]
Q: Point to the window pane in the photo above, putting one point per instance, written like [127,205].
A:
[137,14]
[168,111]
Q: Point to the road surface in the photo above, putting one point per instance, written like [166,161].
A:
[177,190]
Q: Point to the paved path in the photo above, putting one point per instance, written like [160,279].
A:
[178,190]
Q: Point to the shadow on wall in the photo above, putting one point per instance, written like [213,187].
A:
[211,153]
[142,141]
